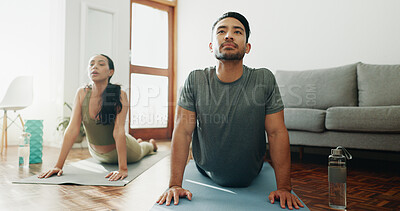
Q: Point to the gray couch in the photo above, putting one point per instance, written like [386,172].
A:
[355,106]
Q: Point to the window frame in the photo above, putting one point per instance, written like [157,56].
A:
[170,72]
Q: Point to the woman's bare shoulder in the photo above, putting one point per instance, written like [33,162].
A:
[123,93]
[81,93]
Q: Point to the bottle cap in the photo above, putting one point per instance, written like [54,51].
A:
[26,134]
[336,152]
[340,150]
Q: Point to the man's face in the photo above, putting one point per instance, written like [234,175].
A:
[229,40]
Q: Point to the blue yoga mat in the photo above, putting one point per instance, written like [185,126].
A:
[209,196]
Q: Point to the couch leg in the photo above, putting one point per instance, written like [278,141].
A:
[301,151]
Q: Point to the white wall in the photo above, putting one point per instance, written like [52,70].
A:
[31,41]
[295,34]
[43,38]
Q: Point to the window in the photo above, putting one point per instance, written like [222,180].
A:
[152,69]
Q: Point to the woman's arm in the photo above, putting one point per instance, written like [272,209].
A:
[120,141]
[70,135]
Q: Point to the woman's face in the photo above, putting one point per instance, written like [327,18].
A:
[99,69]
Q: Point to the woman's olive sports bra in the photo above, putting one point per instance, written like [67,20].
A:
[96,134]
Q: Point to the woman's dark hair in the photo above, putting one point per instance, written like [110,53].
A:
[111,100]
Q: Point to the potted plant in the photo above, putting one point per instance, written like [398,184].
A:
[64,124]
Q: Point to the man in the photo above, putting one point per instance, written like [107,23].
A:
[226,109]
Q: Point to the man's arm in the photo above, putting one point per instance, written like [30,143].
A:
[278,139]
[185,123]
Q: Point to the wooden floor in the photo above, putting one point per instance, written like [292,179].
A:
[140,194]
[372,185]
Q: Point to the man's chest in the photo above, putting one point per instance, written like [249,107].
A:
[243,98]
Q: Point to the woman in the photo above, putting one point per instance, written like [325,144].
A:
[102,107]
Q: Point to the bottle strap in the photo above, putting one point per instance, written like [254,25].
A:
[345,152]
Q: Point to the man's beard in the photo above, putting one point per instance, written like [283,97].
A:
[229,56]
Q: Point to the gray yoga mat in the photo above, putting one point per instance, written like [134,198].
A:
[209,196]
[92,172]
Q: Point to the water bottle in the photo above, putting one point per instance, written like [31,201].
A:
[337,175]
[23,150]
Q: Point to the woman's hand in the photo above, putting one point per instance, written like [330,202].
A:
[116,175]
[49,173]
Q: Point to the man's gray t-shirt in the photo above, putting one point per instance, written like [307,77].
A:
[229,139]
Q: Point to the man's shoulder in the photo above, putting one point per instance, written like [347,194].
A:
[199,74]
[260,72]
[206,70]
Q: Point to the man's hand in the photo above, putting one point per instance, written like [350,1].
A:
[284,197]
[176,192]
[116,175]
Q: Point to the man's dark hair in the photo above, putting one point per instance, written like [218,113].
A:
[238,17]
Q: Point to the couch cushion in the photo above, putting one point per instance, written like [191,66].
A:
[305,119]
[365,119]
[319,89]
[378,85]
